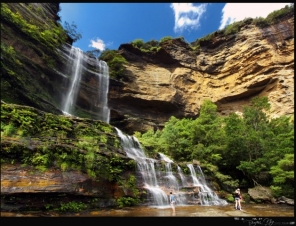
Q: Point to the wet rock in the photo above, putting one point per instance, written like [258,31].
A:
[285,200]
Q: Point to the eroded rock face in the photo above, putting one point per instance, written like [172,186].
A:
[229,70]
[22,179]
[25,188]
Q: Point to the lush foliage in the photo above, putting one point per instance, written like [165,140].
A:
[149,46]
[50,34]
[115,62]
[252,147]
[131,185]
[45,140]
[152,45]
[71,207]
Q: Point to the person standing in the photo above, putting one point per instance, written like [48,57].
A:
[237,198]
[172,201]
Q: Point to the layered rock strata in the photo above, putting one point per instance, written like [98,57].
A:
[229,70]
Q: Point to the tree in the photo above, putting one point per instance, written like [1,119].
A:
[283,177]
[235,145]
[71,31]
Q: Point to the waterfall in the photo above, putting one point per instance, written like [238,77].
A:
[103,90]
[78,64]
[195,181]
[156,175]
[206,195]
[159,183]
[146,168]
[74,68]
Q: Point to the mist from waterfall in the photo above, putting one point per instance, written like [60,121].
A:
[77,64]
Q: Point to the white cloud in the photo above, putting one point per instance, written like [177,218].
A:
[98,44]
[187,16]
[239,11]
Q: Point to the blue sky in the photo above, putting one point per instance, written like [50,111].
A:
[108,25]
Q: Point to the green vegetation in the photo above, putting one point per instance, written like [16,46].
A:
[33,51]
[131,185]
[231,29]
[71,207]
[46,140]
[115,62]
[9,53]
[274,17]
[252,147]
[150,46]
[166,38]
[126,201]
[50,34]
[138,43]
[116,65]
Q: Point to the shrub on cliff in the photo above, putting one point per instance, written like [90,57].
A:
[149,46]
[115,62]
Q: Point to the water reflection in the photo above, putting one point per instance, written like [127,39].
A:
[249,210]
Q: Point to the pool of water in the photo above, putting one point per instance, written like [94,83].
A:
[248,210]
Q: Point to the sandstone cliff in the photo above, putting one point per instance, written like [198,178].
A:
[229,70]
[174,81]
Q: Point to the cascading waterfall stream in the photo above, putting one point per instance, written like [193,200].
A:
[102,102]
[154,179]
[182,176]
[75,58]
[146,168]
[159,183]
[78,64]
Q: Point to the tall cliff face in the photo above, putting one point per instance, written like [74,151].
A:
[229,70]
[30,36]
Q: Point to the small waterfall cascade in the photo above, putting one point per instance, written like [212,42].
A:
[146,168]
[78,64]
[158,178]
[206,196]
[182,177]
